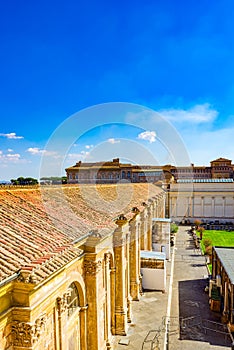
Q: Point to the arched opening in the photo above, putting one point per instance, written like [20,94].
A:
[72,299]
[71,313]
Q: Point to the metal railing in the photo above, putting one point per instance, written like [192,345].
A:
[179,324]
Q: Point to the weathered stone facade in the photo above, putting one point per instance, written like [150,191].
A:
[81,302]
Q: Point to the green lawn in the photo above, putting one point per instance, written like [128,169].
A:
[219,238]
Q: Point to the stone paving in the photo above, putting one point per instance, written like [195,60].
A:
[188,300]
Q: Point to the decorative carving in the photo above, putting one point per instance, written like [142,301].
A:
[121,220]
[27,276]
[38,328]
[95,233]
[135,210]
[62,302]
[21,334]
[91,268]
[26,334]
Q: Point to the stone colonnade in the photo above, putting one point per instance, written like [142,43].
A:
[112,273]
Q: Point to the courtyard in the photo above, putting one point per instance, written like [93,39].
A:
[186,282]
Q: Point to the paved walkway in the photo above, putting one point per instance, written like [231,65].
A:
[188,299]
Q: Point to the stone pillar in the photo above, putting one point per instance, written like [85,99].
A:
[112,283]
[127,274]
[224,205]
[134,260]
[107,301]
[143,232]
[202,207]
[149,228]
[225,309]
[91,269]
[95,295]
[83,327]
[119,238]
[232,305]
[213,207]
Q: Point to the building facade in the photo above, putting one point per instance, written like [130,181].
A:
[208,201]
[114,171]
[70,267]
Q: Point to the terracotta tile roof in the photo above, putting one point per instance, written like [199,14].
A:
[38,226]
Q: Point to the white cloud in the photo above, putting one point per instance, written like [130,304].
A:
[10,150]
[11,135]
[11,158]
[147,136]
[78,156]
[202,113]
[89,146]
[37,151]
[113,141]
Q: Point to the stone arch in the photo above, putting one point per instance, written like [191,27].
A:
[75,277]
[72,326]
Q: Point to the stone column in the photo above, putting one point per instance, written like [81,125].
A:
[83,327]
[107,302]
[119,238]
[213,207]
[149,228]
[134,259]
[224,205]
[202,207]
[112,283]
[225,309]
[214,263]
[143,233]
[127,274]
[95,295]
[91,269]
[232,306]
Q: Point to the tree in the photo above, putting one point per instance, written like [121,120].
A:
[24,181]
[174,228]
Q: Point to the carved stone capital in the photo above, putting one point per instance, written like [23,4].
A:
[91,268]
[25,334]
[62,303]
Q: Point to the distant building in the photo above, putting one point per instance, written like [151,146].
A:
[114,171]
[220,168]
[209,200]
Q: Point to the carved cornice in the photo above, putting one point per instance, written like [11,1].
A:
[26,334]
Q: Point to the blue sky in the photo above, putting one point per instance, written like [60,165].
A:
[58,58]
